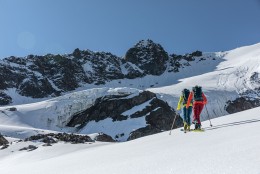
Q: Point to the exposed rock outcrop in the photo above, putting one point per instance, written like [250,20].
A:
[3,142]
[148,56]
[29,148]
[5,99]
[54,138]
[104,137]
[157,113]
[241,104]
[109,106]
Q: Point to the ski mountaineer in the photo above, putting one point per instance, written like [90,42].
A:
[199,100]
[186,109]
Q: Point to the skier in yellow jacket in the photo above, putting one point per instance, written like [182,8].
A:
[186,110]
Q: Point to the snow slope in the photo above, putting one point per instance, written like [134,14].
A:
[226,81]
[230,146]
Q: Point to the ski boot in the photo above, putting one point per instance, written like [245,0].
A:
[185,126]
[188,127]
[197,126]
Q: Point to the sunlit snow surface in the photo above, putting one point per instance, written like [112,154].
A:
[230,146]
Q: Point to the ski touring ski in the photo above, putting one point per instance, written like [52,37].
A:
[193,130]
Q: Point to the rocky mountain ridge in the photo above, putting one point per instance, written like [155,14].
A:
[51,75]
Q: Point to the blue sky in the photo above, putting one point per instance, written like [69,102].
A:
[180,26]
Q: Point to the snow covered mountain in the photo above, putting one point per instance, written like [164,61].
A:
[53,75]
[230,80]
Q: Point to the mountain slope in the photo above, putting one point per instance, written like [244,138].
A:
[230,146]
[235,75]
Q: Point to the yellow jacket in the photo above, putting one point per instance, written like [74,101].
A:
[180,103]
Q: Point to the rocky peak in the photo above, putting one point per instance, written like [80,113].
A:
[148,56]
[146,44]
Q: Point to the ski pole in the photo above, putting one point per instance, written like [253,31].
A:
[173,123]
[208,115]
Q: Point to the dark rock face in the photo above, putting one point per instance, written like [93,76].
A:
[11,76]
[12,109]
[158,121]
[60,70]
[162,116]
[104,138]
[100,66]
[29,148]
[36,88]
[49,140]
[157,113]
[180,61]
[5,99]
[53,138]
[145,131]
[196,54]
[3,141]
[255,78]
[133,71]
[109,106]
[148,56]
[241,104]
